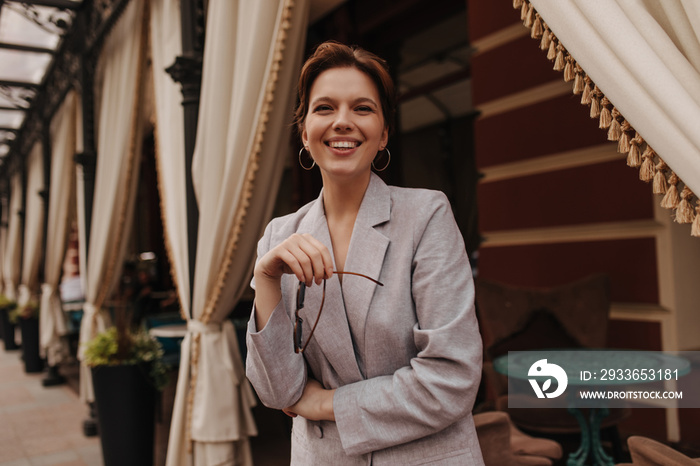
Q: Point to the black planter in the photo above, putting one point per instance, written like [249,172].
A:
[8,331]
[125,400]
[30,345]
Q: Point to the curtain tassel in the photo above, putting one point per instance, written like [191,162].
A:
[579,79]
[684,212]
[569,74]
[529,16]
[624,143]
[546,39]
[523,11]
[671,199]
[559,61]
[646,173]
[587,91]
[695,230]
[595,106]
[605,115]
[614,131]
[537,28]
[552,51]
[634,157]
[660,185]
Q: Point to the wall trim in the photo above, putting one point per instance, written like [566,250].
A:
[524,98]
[553,162]
[499,38]
[572,233]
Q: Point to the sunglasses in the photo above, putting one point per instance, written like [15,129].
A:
[301,291]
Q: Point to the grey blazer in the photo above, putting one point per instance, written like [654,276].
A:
[405,358]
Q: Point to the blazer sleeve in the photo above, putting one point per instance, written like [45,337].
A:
[277,373]
[439,386]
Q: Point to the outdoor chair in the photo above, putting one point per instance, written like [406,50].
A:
[503,444]
[647,452]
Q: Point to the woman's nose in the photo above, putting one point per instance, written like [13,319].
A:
[343,120]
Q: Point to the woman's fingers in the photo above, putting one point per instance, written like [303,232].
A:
[320,256]
[301,255]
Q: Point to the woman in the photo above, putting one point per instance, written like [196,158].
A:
[387,374]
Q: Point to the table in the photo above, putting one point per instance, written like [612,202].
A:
[170,336]
[591,369]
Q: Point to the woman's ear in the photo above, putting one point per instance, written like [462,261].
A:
[385,138]
[304,137]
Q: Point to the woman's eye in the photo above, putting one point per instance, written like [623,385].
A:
[322,108]
[364,109]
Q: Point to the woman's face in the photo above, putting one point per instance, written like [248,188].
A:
[344,127]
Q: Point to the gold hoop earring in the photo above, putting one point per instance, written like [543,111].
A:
[387,162]
[300,162]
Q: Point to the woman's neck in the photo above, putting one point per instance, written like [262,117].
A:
[342,199]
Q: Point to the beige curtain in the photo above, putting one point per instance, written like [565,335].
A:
[637,63]
[33,227]
[52,324]
[11,259]
[251,58]
[119,85]
[166,44]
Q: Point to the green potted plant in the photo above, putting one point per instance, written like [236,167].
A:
[127,371]
[7,328]
[27,317]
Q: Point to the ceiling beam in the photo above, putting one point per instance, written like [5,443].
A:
[25,48]
[64,4]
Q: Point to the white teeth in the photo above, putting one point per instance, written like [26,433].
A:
[343,144]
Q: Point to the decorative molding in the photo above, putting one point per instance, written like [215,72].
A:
[552,162]
[524,98]
[573,233]
[499,38]
[640,312]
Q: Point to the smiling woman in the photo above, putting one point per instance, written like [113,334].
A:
[389,375]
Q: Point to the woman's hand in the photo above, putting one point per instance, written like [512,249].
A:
[302,255]
[315,404]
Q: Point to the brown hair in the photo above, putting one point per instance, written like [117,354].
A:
[333,54]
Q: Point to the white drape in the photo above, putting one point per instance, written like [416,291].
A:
[120,71]
[166,44]
[33,226]
[52,324]
[251,58]
[13,252]
[644,55]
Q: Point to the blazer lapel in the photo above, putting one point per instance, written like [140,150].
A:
[333,332]
[366,256]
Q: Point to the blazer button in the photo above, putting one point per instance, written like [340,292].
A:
[318,430]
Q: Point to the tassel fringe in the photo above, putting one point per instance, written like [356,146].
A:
[660,184]
[610,119]
[684,212]
[671,199]
[695,229]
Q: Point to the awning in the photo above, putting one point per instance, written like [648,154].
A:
[636,64]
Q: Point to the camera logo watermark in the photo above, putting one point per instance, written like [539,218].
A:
[542,368]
